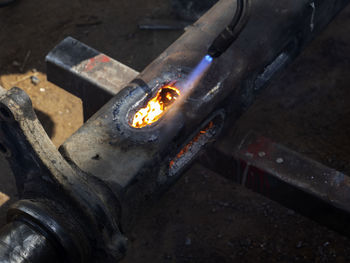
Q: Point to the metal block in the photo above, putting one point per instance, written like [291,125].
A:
[87,73]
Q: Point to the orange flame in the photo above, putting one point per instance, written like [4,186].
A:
[156,107]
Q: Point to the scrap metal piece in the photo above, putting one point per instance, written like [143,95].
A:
[295,181]
[87,73]
[51,188]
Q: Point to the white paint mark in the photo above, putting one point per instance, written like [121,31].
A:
[279,160]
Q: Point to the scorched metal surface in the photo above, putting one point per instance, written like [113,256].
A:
[109,171]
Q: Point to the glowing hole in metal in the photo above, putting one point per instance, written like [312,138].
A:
[193,147]
[156,107]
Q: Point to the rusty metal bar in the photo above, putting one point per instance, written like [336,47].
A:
[290,178]
[105,145]
[88,74]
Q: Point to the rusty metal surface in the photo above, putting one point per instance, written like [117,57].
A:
[90,75]
[105,145]
[298,182]
[110,172]
[58,189]
[325,183]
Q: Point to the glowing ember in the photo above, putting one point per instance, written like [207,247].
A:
[156,107]
[190,144]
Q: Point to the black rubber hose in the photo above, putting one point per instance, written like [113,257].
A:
[6,2]
[232,31]
[238,14]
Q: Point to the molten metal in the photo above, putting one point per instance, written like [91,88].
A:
[191,143]
[156,107]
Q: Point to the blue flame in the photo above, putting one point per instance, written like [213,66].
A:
[208,58]
[198,72]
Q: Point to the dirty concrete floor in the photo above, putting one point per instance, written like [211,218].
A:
[203,218]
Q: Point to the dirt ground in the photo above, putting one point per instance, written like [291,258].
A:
[203,218]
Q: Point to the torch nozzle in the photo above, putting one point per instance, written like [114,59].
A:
[232,31]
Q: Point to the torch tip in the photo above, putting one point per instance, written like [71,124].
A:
[208,58]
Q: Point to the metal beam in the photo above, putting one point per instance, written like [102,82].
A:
[88,74]
[295,181]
